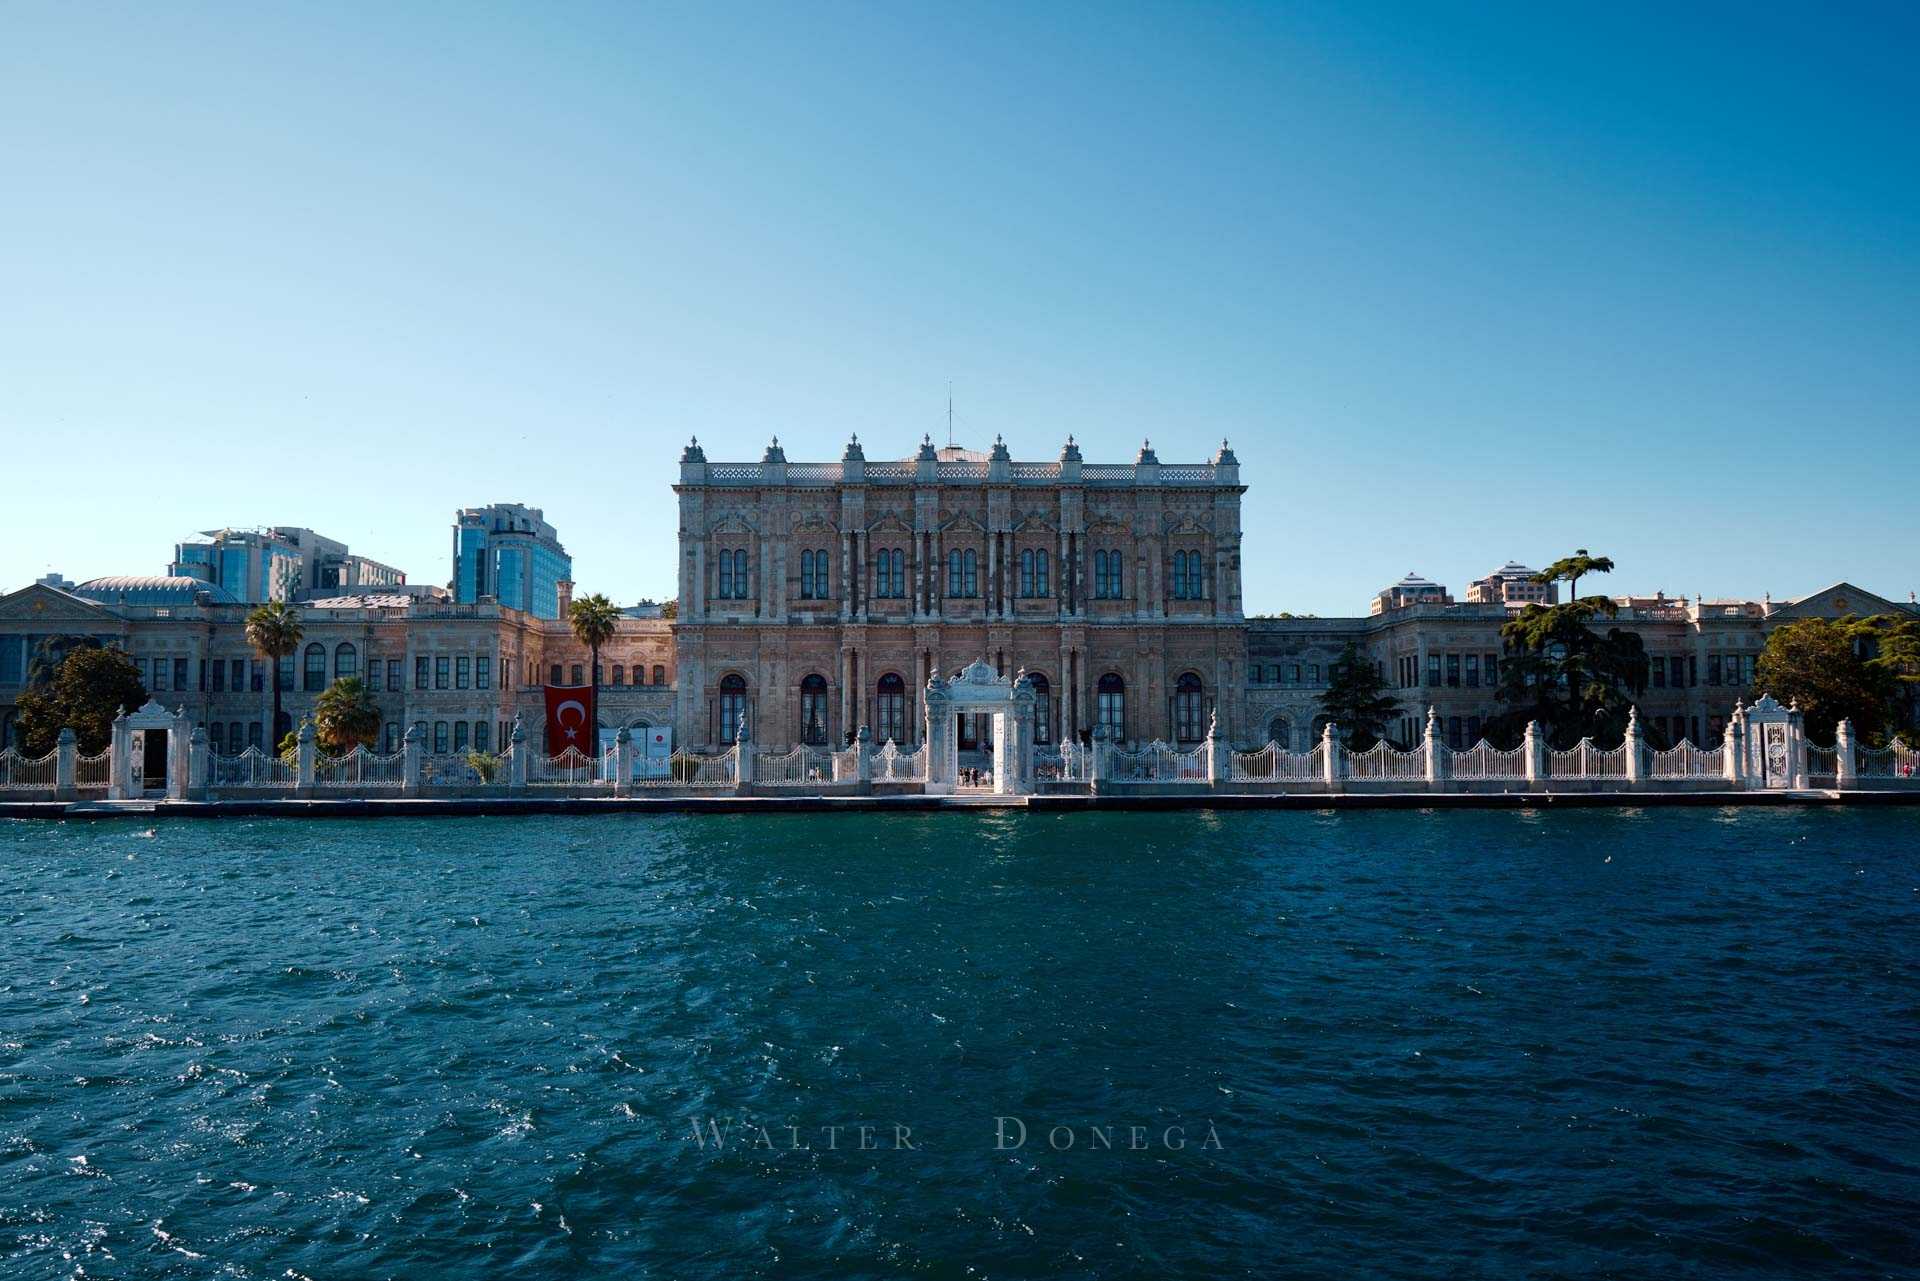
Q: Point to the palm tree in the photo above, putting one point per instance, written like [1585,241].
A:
[345,717]
[274,631]
[593,619]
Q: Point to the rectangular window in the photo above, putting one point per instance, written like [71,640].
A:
[462,671]
[422,667]
[440,738]
[553,675]
[1492,668]
[482,737]
[483,672]
[578,673]
[219,678]
[1433,670]
[1453,670]
[373,673]
[1693,669]
[1293,673]
[202,687]
[1313,673]
[1659,672]
[1473,671]
[253,734]
[442,666]
[459,736]
[179,673]
[1713,669]
[1453,734]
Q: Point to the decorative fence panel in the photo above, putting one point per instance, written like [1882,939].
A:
[1275,764]
[570,768]
[19,773]
[801,767]
[360,768]
[1687,761]
[687,769]
[846,764]
[1585,761]
[93,773]
[1159,763]
[1485,761]
[891,765]
[1383,761]
[1823,766]
[251,768]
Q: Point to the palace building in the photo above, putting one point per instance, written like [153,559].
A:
[819,597]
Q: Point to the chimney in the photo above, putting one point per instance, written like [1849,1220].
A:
[566,595]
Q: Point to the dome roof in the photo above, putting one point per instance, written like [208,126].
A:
[151,589]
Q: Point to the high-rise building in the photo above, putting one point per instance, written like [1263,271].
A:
[284,563]
[509,552]
[1511,585]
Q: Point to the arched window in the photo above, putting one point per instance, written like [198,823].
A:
[813,710]
[482,736]
[1040,586]
[459,736]
[733,706]
[659,674]
[1179,575]
[1042,706]
[1026,572]
[1189,709]
[1100,574]
[806,574]
[954,578]
[890,709]
[724,589]
[346,660]
[1110,710]
[740,586]
[970,566]
[900,571]
[316,678]
[1106,575]
[813,575]
[890,573]
[619,674]
[1280,731]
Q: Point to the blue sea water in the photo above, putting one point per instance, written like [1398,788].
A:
[1492,1044]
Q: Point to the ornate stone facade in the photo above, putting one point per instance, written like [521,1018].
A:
[819,597]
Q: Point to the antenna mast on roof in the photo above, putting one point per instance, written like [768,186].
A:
[949,413]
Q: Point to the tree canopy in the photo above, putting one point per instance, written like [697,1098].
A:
[1357,700]
[1863,669]
[345,717]
[86,692]
[1576,681]
[274,630]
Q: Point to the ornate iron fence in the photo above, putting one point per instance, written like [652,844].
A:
[251,768]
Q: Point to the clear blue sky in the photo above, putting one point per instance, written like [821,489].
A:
[1462,283]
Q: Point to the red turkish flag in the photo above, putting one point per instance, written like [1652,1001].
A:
[570,719]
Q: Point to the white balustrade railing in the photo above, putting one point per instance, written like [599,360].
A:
[1684,760]
[1485,761]
[251,768]
[1385,761]
[19,773]
[1275,764]
[1585,761]
[801,767]
[360,768]
[93,773]
[1158,763]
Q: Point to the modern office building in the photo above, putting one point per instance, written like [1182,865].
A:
[283,563]
[508,552]
[1512,585]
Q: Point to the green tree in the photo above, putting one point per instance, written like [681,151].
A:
[1890,644]
[50,652]
[1821,665]
[1357,700]
[345,717]
[1571,569]
[670,610]
[1577,682]
[274,630]
[86,692]
[593,619]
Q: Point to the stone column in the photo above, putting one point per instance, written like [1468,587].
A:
[1733,747]
[1535,745]
[179,747]
[863,757]
[1333,765]
[939,733]
[303,753]
[1846,767]
[66,764]
[1436,764]
[1636,745]
[1102,756]
[743,758]
[413,761]
[517,761]
[1219,768]
[1797,745]
[197,764]
[119,758]
[623,762]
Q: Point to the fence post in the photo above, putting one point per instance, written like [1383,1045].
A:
[1636,744]
[1733,747]
[179,746]
[1846,766]
[1219,768]
[743,759]
[413,761]
[1332,758]
[1797,744]
[623,762]
[517,762]
[303,755]
[1436,772]
[65,764]
[1102,758]
[1536,756]
[119,758]
[863,761]
[197,764]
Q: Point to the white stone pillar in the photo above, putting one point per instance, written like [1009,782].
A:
[1846,764]
[517,763]
[1436,764]
[197,764]
[623,762]
[413,760]
[743,758]
[66,764]
[1102,756]
[1636,745]
[304,758]
[863,756]
[1733,747]
[1535,746]
[120,759]
[179,747]
[1797,745]
[1219,768]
